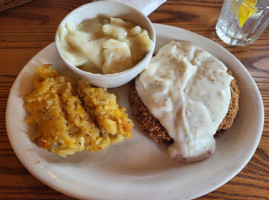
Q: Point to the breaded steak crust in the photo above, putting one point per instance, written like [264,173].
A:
[233,107]
[147,122]
[153,128]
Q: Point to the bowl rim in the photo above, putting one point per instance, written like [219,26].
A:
[113,75]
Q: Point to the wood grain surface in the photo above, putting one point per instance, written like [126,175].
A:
[26,29]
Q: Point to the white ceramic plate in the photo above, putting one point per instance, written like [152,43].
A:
[138,168]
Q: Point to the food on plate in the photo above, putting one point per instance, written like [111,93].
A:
[183,98]
[69,116]
[103,109]
[104,45]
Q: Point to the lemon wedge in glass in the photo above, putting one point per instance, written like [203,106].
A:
[245,11]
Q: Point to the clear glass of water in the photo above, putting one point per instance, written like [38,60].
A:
[241,22]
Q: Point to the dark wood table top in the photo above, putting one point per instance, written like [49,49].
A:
[27,29]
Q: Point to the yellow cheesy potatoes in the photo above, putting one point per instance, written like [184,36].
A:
[70,116]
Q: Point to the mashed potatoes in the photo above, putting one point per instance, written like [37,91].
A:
[72,116]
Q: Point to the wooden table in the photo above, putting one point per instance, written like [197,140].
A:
[26,29]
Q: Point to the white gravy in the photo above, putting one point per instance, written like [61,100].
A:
[188,91]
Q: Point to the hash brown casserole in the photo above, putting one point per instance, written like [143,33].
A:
[70,116]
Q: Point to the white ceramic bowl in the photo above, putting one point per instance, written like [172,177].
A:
[109,9]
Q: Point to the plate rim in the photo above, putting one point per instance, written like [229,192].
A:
[29,167]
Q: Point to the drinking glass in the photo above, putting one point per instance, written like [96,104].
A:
[241,22]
